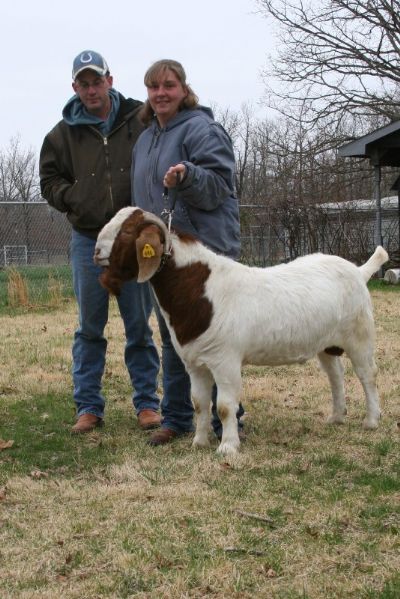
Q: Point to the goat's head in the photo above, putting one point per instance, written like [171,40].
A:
[130,246]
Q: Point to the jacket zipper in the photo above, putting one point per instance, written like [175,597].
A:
[107,155]
[153,164]
[107,161]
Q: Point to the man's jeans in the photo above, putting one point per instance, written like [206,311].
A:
[89,347]
[176,406]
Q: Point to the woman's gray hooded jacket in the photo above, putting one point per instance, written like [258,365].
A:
[205,202]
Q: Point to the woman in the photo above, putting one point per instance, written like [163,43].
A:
[185,152]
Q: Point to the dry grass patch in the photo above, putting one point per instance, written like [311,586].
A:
[305,511]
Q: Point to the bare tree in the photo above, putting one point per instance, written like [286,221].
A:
[338,56]
[239,125]
[19,181]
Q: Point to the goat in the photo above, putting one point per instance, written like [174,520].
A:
[222,314]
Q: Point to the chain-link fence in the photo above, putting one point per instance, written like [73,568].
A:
[32,233]
[271,235]
[35,254]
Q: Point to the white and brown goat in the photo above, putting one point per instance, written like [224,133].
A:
[222,314]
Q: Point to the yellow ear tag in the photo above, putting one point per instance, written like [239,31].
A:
[148,251]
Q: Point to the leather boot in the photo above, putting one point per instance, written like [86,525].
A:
[149,419]
[86,423]
[163,436]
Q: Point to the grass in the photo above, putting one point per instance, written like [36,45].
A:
[305,511]
[34,286]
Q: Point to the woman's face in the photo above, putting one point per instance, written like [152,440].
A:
[165,96]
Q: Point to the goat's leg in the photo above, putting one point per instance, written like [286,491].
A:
[362,359]
[228,394]
[202,383]
[334,368]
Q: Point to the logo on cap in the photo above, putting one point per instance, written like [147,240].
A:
[89,57]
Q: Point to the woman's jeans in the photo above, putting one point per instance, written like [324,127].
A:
[89,347]
[176,406]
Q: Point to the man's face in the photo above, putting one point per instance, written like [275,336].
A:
[92,90]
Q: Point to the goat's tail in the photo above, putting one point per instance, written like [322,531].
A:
[378,258]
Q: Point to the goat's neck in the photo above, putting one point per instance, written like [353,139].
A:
[180,292]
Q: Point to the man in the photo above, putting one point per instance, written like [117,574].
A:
[85,172]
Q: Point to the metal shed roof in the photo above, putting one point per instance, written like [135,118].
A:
[382,146]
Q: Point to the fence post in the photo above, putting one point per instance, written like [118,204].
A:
[378,219]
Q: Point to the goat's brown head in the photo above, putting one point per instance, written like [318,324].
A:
[130,246]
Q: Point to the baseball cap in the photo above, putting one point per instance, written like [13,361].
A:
[88,59]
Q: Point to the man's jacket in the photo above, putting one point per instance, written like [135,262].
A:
[87,175]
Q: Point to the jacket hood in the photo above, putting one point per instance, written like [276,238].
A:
[74,112]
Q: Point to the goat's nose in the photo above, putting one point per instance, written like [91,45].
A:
[97,253]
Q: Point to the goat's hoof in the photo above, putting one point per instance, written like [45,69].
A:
[370,424]
[228,449]
[336,419]
[200,442]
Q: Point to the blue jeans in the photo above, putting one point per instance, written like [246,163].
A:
[176,406]
[89,347]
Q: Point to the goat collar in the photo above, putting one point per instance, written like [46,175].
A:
[167,254]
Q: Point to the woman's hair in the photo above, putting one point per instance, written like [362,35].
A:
[152,76]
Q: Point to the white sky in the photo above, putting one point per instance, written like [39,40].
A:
[223,45]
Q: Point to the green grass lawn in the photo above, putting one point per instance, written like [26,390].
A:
[305,511]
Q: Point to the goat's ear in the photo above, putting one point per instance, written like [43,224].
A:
[149,250]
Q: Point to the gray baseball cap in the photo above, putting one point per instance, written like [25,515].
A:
[88,59]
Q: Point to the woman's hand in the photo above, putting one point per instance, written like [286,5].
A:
[174,175]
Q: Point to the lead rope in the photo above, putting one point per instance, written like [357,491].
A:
[168,211]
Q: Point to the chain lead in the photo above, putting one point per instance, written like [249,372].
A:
[167,213]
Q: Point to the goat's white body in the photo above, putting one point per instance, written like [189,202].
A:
[270,316]
[280,315]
